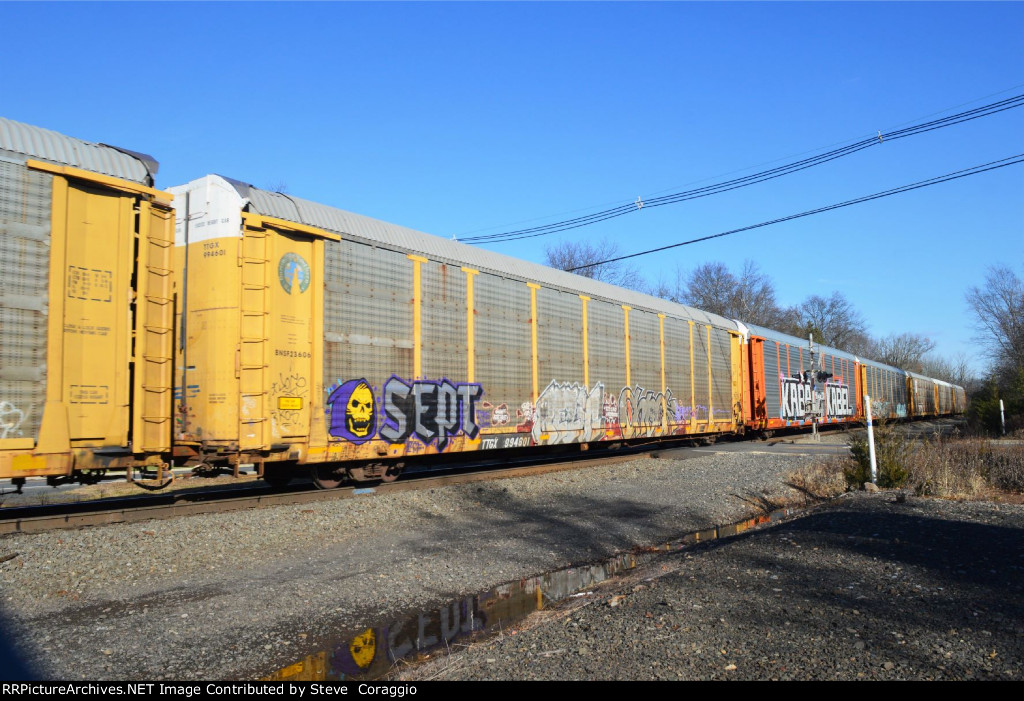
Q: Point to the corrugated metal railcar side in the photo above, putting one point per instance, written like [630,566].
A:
[87,307]
[428,345]
[887,388]
[782,380]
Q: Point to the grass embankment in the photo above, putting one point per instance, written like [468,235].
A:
[952,467]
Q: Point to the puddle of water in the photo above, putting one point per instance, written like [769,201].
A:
[372,653]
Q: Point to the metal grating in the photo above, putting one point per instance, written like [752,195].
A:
[701,386]
[25,201]
[376,232]
[721,375]
[445,347]
[504,357]
[559,336]
[367,313]
[772,372]
[606,346]
[644,350]
[677,366]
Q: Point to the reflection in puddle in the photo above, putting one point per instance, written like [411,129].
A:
[371,653]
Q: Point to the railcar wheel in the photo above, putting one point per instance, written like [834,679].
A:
[327,477]
[392,473]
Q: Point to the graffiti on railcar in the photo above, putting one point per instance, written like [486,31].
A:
[353,411]
[837,401]
[831,400]
[489,415]
[290,395]
[432,411]
[795,395]
[10,420]
[884,409]
[568,412]
[644,413]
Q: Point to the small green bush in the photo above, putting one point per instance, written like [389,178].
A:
[892,452]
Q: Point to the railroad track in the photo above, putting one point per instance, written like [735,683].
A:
[133,509]
[165,505]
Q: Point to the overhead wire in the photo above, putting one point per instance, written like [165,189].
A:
[745,181]
[974,170]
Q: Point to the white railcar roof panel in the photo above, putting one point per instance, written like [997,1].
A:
[46,145]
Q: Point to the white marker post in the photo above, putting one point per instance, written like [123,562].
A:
[871,441]
[1002,417]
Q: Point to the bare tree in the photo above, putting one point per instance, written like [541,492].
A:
[905,351]
[588,258]
[833,321]
[956,369]
[712,287]
[999,306]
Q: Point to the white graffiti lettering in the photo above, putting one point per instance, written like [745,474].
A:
[642,413]
[568,413]
[10,420]
[837,401]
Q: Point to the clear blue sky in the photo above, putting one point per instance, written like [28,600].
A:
[456,117]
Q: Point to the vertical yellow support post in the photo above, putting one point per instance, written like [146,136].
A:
[711,393]
[625,322]
[586,341]
[54,431]
[317,427]
[693,388]
[417,316]
[664,402]
[470,326]
[533,339]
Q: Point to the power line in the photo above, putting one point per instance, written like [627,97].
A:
[993,165]
[762,176]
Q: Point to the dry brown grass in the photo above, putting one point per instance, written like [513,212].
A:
[952,467]
[821,480]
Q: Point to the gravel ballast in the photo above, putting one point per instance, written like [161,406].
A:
[241,595]
[868,587]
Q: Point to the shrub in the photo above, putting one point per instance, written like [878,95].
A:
[892,451]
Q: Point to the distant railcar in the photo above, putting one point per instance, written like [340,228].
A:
[789,388]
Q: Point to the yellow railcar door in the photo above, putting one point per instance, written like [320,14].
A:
[96,319]
[292,310]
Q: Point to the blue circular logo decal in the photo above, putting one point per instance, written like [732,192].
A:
[293,271]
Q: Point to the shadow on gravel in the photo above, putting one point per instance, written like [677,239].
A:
[598,527]
[875,584]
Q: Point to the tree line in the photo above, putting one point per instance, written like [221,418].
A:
[748,294]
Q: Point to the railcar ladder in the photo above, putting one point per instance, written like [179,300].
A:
[254,259]
[154,326]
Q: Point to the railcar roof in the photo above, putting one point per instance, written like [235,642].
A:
[774,335]
[22,141]
[374,231]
